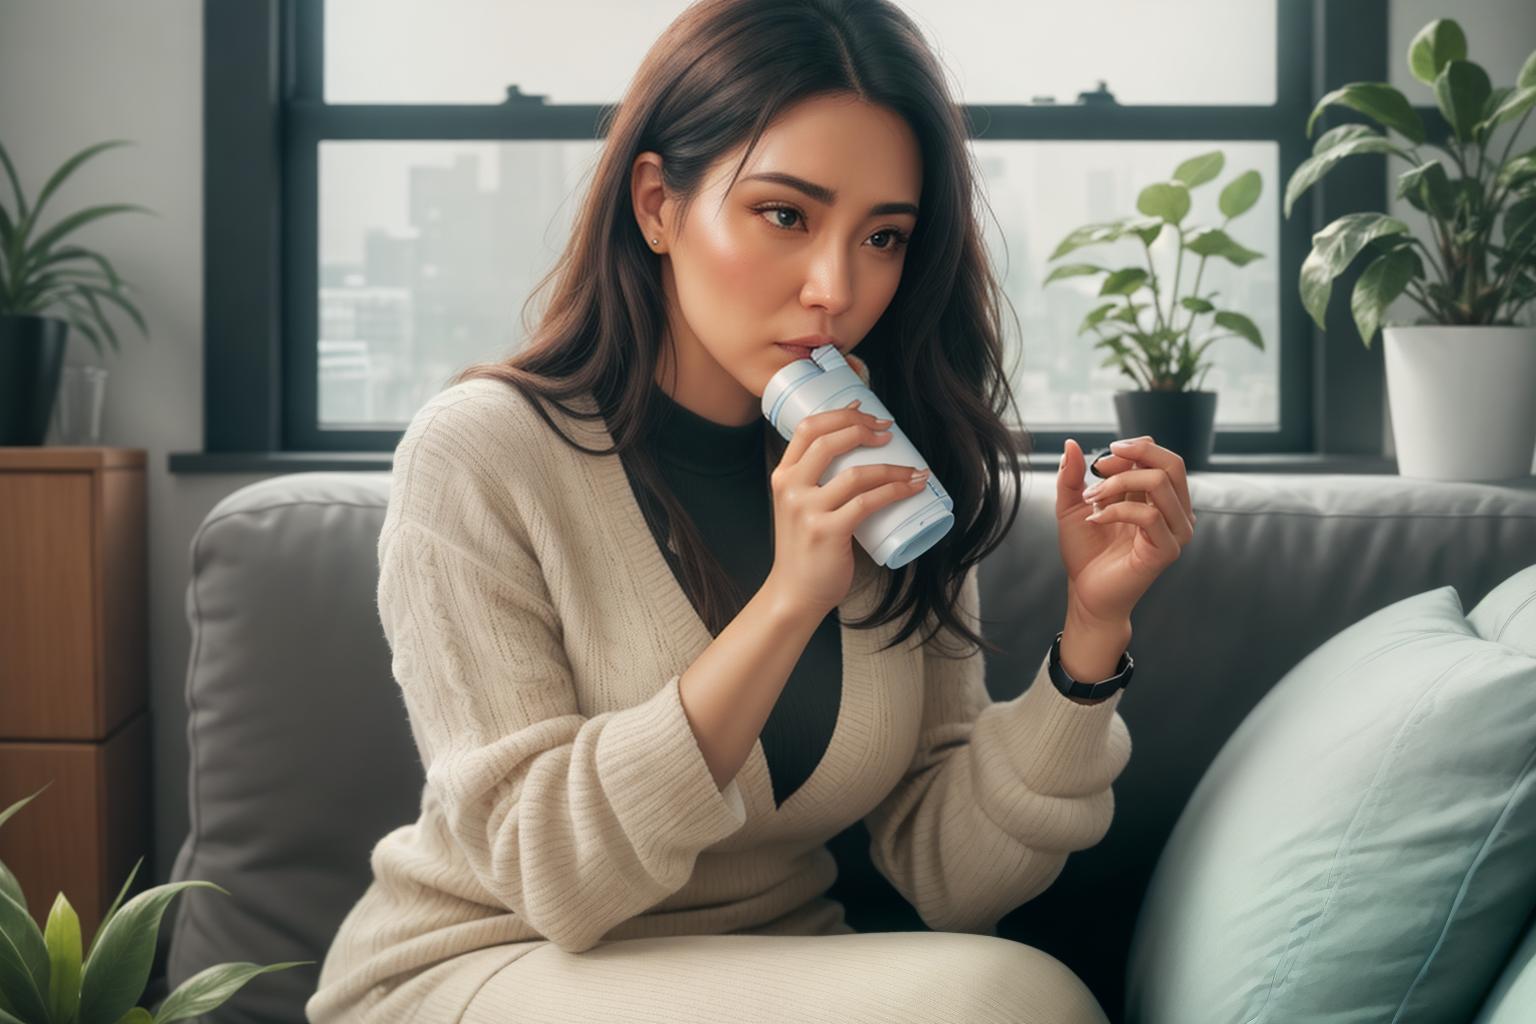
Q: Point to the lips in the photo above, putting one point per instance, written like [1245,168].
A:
[799,351]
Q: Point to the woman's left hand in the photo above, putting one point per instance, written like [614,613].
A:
[1113,558]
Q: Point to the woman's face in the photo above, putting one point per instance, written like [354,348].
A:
[767,262]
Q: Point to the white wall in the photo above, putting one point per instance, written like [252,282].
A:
[75,72]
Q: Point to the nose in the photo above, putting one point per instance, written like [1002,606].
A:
[828,280]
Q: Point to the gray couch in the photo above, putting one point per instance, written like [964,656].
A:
[301,756]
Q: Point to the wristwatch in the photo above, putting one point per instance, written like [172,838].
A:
[1088,691]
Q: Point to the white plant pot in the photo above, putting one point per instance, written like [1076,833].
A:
[1463,401]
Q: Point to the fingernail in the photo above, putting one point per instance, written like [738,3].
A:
[1094,516]
[853,403]
[918,475]
[1095,489]
[1122,444]
[882,422]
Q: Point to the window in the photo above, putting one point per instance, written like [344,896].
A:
[416,198]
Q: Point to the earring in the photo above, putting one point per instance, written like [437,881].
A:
[653,241]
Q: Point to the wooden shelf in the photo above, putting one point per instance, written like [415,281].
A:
[74,696]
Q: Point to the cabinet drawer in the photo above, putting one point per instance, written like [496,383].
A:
[83,834]
[73,593]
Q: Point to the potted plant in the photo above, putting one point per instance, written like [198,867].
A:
[43,979]
[1460,380]
[1151,332]
[46,287]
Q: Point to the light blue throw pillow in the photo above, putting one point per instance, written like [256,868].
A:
[1363,848]
[1513,1000]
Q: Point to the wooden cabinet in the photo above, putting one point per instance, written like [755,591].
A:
[74,693]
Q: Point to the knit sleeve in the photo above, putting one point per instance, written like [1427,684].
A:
[574,823]
[998,793]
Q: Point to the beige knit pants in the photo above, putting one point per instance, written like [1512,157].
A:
[862,978]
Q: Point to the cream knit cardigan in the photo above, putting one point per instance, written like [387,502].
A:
[537,637]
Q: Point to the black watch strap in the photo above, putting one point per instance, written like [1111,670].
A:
[1088,691]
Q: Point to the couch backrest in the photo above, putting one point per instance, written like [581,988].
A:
[301,755]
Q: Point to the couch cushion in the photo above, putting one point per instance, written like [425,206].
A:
[1361,847]
[301,754]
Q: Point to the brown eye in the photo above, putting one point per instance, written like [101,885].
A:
[777,210]
[897,238]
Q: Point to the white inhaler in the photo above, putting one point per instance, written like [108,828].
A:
[900,531]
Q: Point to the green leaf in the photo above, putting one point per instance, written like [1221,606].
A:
[1461,89]
[1088,234]
[1332,250]
[1437,43]
[1428,188]
[118,300]
[73,252]
[6,814]
[1527,75]
[1145,228]
[1343,133]
[1166,199]
[124,950]
[137,1015]
[1095,316]
[1516,102]
[209,988]
[1378,101]
[1310,170]
[1518,173]
[1383,281]
[1075,270]
[61,934]
[1240,194]
[1520,226]
[112,910]
[68,168]
[1216,242]
[1240,324]
[10,172]
[39,248]
[23,961]
[1124,281]
[1198,170]
[101,318]
[1196,304]
[11,887]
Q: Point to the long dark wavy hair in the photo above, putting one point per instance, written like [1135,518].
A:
[717,77]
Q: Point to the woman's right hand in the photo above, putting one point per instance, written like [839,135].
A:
[813,524]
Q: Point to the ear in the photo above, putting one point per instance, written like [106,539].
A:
[857,366]
[647,196]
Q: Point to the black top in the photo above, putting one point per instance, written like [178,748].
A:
[718,474]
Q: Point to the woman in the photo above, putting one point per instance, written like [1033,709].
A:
[631,772]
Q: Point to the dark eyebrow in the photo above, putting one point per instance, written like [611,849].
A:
[824,195]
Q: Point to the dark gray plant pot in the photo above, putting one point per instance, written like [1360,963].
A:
[1181,421]
[31,361]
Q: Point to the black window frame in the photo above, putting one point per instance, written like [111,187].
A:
[265,118]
